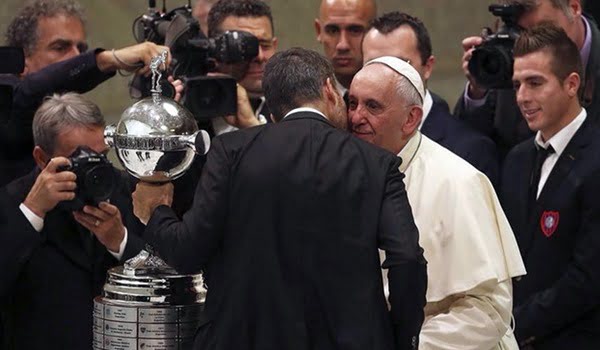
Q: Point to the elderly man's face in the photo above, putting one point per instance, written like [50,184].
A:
[260,27]
[340,28]
[376,113]
[59,38]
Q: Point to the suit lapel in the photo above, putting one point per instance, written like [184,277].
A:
[521,190]
[565,163]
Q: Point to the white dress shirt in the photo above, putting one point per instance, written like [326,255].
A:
[559,142]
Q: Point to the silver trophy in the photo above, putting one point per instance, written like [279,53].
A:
[156,138]
[146,304]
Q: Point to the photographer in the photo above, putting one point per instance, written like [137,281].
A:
[52,35]
[495,111]
[253,16]
[55,253]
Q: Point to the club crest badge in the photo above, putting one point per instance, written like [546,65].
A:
[549,222]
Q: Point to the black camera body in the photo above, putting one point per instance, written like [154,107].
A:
[194,56]
[492,62]
[96,178]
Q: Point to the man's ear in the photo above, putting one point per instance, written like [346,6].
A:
[572,83]
[428,68]
[275,42]
[40,157]
[318,29]
[413,121]
[330,92]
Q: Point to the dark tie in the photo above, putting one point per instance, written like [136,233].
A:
[540,158]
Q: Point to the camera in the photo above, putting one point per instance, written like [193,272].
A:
[492,62]
[96,178]
[194,56]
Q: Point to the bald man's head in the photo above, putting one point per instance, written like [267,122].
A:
[340,28]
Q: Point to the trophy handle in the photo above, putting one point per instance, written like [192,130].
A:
[198,141]
[109,135]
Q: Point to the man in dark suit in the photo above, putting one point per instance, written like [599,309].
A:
[401,35]
[286,223]
[52,35]
[550,186]
[495,112]
[54,260]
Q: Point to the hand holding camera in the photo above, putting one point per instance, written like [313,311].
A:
[488,60]
[104,222]
[51,187]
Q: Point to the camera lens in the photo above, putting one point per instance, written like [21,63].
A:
[491,67]
[99,182]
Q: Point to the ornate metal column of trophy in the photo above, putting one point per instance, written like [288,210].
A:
[145,303]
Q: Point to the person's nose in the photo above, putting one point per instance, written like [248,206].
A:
[344,43]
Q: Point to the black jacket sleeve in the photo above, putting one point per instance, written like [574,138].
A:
[78,74]
[187,245]
[407,272]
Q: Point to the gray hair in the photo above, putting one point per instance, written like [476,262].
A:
[23,29]
[63,111]
[406,90]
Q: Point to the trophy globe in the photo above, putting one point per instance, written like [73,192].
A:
[156,138]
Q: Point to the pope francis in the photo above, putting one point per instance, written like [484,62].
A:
[470,248]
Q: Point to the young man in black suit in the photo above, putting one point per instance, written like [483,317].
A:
[54,258]
[287,221]
[494,112]
[401,35]
[549,190]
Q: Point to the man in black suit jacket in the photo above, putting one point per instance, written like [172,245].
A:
[550,187]
[286,223]
[495,112]
[54,260]
[401,35]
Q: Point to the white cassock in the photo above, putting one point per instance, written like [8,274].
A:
[470,249]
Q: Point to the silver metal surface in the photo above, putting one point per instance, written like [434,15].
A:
[154,139]
[146,305]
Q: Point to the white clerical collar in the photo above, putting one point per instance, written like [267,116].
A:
[409,151]
[562,138]
[427,105]
[305,109]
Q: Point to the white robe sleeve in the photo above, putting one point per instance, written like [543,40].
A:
[477,319]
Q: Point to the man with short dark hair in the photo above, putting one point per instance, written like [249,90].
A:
[253,16]
[495,112]
[340,28]
[289,240]
[54,256]
[550,186]
[401,35]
